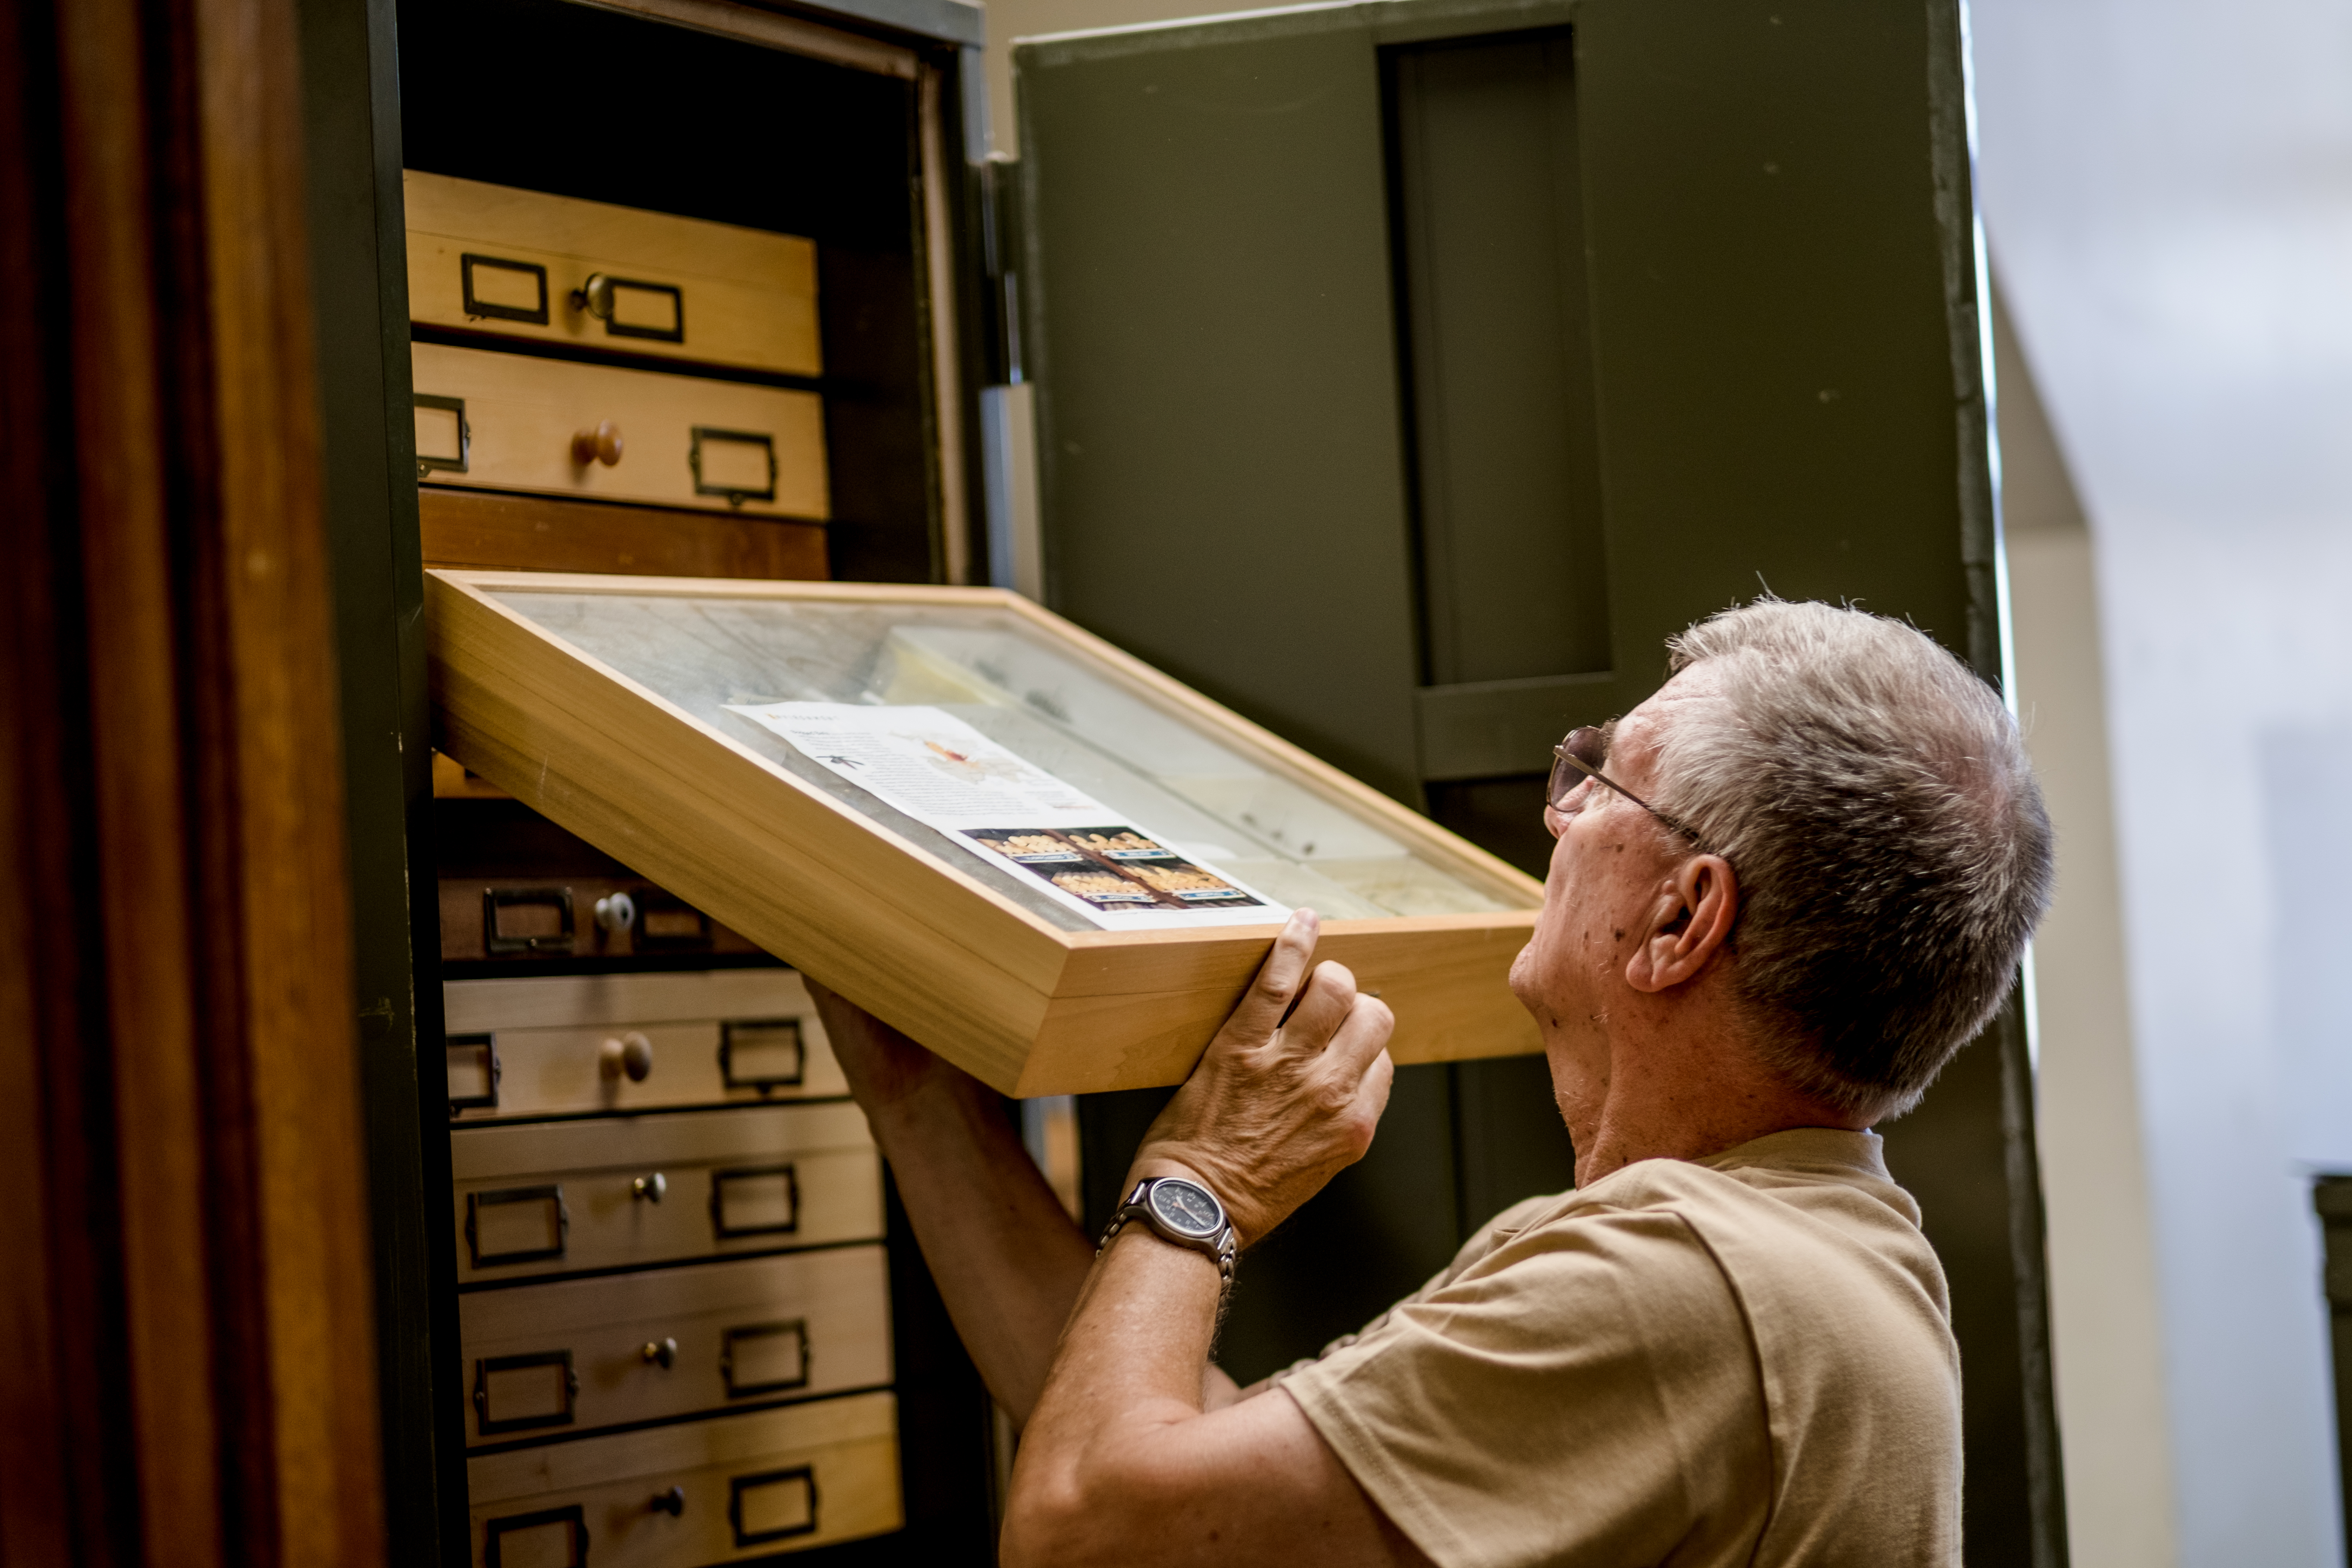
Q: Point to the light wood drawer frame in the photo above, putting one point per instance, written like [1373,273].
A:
[1030,1008]
[601,1490]
[627,1192]
[745,297]
[520,414]
[835,1301]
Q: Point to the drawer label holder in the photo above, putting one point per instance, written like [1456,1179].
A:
[494,286]
[564,1382]
[779,1350]
[773,1505]
[445,441]
[572,1520]
[501,935]
[473,1064]
[724,462]
[746,1188]
[763,1054]
[477,1219]
[632,308]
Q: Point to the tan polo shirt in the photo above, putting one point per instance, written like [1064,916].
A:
[1741,1360]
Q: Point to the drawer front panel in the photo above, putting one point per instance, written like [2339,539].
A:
[514,422]
[579,1220]
[671,1342]
[524,264]
[605,1001]
[571,1071]
[716,1492]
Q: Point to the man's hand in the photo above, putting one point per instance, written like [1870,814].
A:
[885,1068]
[1274,1110]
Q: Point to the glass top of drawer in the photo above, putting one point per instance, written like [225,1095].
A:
[915,676]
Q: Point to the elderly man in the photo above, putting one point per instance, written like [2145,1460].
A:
[1785,889]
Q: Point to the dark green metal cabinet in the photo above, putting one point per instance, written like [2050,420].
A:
[1406,372]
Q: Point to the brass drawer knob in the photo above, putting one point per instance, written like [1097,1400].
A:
[661,1351]
[630,1054]
[601,445]
[650,1188]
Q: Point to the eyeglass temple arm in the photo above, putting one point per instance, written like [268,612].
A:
[1581,765]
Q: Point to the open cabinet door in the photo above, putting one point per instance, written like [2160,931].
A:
[1407,372]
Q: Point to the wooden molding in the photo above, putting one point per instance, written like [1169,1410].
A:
[192,1035]
[479,529]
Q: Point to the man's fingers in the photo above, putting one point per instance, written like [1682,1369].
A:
[1321,1008]
[1270,996]
[1379,1079]
[1362,1038]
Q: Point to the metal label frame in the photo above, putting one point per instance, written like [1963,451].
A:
[653,901]
[488,1044]
[572,1514]
[497,899]
[477,1202]
[483,308]
[426,465]
[735,495]
[765,1085]
[738,1485]
[797,1327]
[614,328]
[718,1180]
[484,1365]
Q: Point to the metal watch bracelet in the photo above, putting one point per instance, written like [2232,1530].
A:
[1220,1245]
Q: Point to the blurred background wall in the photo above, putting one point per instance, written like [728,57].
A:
[2168,193]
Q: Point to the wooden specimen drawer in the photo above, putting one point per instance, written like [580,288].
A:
[519,422]
[558,1198]
[706,1491]
[544,1360]
[578,1044]
[524,264]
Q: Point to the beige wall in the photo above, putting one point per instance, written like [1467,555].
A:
[2108,1351]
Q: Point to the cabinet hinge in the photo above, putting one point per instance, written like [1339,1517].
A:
[998,206]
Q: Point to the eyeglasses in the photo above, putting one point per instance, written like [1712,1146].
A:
[1579,758]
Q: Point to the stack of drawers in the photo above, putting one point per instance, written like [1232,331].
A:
[674,1308]
[537,318]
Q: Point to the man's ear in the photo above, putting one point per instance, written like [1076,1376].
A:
[1689,925]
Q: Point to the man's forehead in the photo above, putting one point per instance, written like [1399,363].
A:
[1642,726]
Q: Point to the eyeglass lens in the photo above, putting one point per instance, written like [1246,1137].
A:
[1588,746]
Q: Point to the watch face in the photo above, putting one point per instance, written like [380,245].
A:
[1181,1207]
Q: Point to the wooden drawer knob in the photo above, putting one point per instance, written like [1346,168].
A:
[601,445]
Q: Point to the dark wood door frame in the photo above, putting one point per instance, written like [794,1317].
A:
[186,1290]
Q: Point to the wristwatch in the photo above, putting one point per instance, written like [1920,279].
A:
[1185,1212]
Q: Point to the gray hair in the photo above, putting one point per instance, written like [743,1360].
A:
[1891,852]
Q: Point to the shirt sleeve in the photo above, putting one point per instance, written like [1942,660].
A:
[1585,1392]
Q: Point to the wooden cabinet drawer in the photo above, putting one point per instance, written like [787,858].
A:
[524,264]
[722,1490]
[570,1356]
[519,422]
[558,1198]
[765,1043]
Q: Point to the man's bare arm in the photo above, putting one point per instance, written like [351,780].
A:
[1008,1262]
[1125,1462]
[1123,1467]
